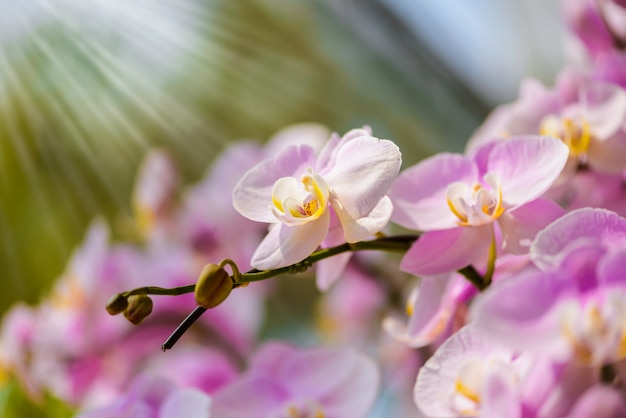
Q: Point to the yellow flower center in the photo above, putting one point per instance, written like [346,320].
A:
[296,203]
[307,410]
[476,205]
[596,331]
[575,133]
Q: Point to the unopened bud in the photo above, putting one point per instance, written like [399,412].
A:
[139,307]
[117,304]
[213,286]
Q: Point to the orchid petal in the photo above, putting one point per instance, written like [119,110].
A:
[611,269]
[429,316]
[356,230]
[250,397]
[518,312]
[609,155]
[357,394]
[500,396]
[368,167]
[582,225]
[319,373]
[252,196]
[437,380]
[520,226]
[599,402]
[188,402]
[311,134]
[605,108]
[327,271]
[437,252]
[267,360]
[286,245]
[327,157]
[527,166]
[586,22]
[419,193]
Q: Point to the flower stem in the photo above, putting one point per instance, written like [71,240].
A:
[183,327]
[398,243]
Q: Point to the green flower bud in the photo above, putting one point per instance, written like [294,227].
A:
[117,304]
[213,286]
[139,307]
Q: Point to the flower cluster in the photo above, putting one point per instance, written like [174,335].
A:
[517,248]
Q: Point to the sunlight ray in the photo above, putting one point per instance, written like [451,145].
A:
[17,140]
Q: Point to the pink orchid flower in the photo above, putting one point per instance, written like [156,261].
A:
[154,397]
[599,25]
[471,375]
[573,307]
[297,191]
[285,382]
[458,200]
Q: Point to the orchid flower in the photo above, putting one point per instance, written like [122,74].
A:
[435,309]
[285,382]
[458,200]
[298,193]
[593,127]
[470,376]
[599,25]
[154,397]
[573,307]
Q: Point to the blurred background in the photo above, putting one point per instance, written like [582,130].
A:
[88,86]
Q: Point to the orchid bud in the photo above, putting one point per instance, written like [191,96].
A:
[139,307]
[117,304]
[213,286]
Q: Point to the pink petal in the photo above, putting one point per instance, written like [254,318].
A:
[253,396]
[585,21]
[356,230]
[609,155]
[327,271]
[365,169]
[527,166]
[327,157]
[312,134]
[286,245]
[500,398]
[604,105]
[519,311]
[252,195]
[437,252]
[437,378]
[419,193]
[582,225]
[267,360]
[188,402]
[430,312]
[320,373]
[611,269]
[155,184]
[358,391]
[599,402]
[520,226]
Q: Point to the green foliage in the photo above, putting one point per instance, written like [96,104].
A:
[14,403]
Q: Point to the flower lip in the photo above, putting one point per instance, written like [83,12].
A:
[575,133]
[296,203]
[476,205]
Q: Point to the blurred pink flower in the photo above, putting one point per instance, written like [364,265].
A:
[574,308]
[286,382]
[154,397]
